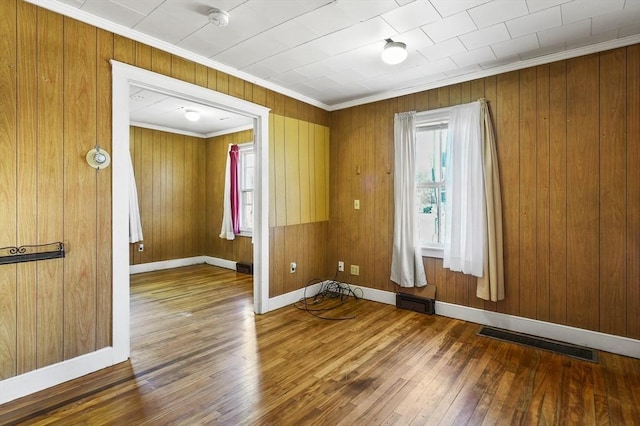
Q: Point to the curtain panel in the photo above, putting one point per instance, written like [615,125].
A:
[407,269]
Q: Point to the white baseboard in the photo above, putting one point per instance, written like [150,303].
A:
[293,296]
[176,263]
[51,375]
[576,336]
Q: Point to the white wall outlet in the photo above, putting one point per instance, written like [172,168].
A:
[140,247]
[292,267]
[356,204]
[355,270]
[341,266]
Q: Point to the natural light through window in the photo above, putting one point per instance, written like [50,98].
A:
[247,183]
[431,151]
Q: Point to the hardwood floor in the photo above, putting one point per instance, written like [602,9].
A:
[200,356]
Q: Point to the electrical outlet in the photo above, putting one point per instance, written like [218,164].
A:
[341,266]
[292,267]
[355,270]
[356,204]
[140,247]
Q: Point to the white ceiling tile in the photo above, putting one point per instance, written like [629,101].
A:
[449,7]
[630,30]
[373,8]
[538,5]
[278,11]
[631,3]
[350,38]
[411,16]
[497,11]
[485,36]
[250,51]
[347,76]
[567,33]
[414,39]
[442,50]
[594,39]
[543,20]
[73,3]
[463,71]
[403,2]
[543,51]
[290,33]
[443,65]
[499,62]
[578,10]
[172,23]
[618,19]
[143,7]
[113,12]
[206,41]
[515,46]
[326,20]
[450,27]
[478,56]
[292,77]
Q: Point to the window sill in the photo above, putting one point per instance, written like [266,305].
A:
[244,234]
[437,252]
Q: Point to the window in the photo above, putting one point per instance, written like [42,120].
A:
[431,196]
[246,178]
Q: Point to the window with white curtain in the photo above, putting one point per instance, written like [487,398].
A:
[246,172]
[430,170]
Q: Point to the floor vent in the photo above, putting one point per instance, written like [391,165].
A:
[554,346]
[414,303]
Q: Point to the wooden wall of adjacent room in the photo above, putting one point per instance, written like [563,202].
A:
[568,139]
[55,81]
[216,152]
[170,172]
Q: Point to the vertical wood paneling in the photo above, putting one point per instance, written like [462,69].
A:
[280,188]
[583,192]
[508,156]
[542,193]
[50,164]
[292,170]
[104,247]
[558,192]
[633,191]
[527,194]
[79,188]
[8,184]
[303,161]
[613,192]
[27,186]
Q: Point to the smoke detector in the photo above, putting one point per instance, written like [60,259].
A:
[218,17]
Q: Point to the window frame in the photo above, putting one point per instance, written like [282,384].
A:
[425,119]
[243,150]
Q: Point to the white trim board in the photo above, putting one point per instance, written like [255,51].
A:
[577,336]
[51,375]
[178,263]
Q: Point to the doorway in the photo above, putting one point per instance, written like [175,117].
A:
[124,77]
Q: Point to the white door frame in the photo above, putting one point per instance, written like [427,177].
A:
[124,76]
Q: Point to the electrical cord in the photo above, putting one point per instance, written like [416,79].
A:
[335,292]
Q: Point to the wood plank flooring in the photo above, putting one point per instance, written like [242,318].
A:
[200,356]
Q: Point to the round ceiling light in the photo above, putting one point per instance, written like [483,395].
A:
[192,115]
[394,52]
[218,17]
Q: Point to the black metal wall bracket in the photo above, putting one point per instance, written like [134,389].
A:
[30,253]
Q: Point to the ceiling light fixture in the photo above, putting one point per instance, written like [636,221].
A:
[192,115]
[218,17]
[394,52]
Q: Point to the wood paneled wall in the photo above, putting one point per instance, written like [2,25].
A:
[217,151]
[55,81]
[568,139]
[171,180]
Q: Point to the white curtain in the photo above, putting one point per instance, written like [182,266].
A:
[226,231]
[135,226]
[473,234]
[464,208]
[407,269]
